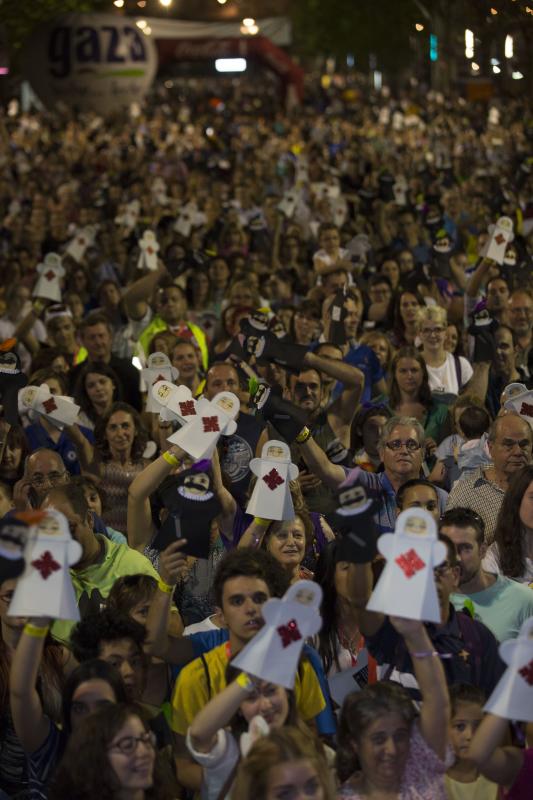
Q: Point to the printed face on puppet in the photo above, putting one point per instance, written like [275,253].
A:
[9,362]
[305,596]
[276,453]
[226,404]
[415,526]
[28,396]
[50,526]
[197,483]
[354,499]
[163,392]
[157,360]
[482,317]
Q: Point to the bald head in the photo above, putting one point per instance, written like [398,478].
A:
[43,469]
[221,378]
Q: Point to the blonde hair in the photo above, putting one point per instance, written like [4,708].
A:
[281,746]
[431,314]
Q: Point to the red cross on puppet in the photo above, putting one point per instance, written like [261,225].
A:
[289,633]
[49,405]
[410,563]
[46,564]
[82,240]
[210,424]
[499,238]
[273,479]
[527,672]
[188,410]
[526,410]
[50,275]
[149,251]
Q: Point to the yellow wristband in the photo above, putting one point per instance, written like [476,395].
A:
[170,459]
[263,523]
[304,435]
[165,587]
[245,682]
[35,631]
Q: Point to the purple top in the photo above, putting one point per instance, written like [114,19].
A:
[521,788]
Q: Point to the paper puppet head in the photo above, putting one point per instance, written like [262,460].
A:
[273,654]
[213,419]
[500,235]
[45,588]
[510,257]
[14,534]
[56,310]
[12,379]
[406,587]
[83,239]
[173,402]
[127,219]
[287,419]
[512,697]
[192,505]
[149,248]
[519,400]
[158,369]
[58,410]
[288,203]
[481,315]
[48,285]
[271,496]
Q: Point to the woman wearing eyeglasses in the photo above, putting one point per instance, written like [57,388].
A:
[448,374]
[111,756]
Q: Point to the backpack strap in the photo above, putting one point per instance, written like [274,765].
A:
[458,372]
[207,676]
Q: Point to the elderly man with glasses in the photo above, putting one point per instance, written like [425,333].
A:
[401,450]
[43,470]
[510,447]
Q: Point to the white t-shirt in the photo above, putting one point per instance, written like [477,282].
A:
[443,379]
[491,563]
[199,627]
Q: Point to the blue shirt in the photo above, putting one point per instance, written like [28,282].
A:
[380,486]
[206,640]
[37,436]
[364,358]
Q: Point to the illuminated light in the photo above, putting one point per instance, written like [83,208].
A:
[230,64]
[222,2]
[496,69]
[509,49]
[147,31]
[136,362]
[350,60]
[4,70]
[141,3]
[141,23]
[248,22]
[475,66]
[118,3]
[433,47]
[469,43]
[419,27]
[165,3]
[495,61]
[517,76]
[249,30]
[378,80]
[494,11]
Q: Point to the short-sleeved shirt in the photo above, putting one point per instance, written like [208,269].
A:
[470,653]
[491,563]
[423,775]
[236,453]
[380,485]
[37,436]
[93,584]
[192,692]
[364,358]
[477,493]
[502,607]
[480,789]
[443,379]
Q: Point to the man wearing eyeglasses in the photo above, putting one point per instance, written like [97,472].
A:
[499,602]
[401,450]
[43,470]
[510,446]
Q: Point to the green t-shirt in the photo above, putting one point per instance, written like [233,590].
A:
[93,584]
[503,607]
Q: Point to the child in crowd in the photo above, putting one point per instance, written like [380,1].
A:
[466,450]
[463,780]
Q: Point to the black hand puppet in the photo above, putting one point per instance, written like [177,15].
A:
[13,538]
[354,520]
[283,352]
[337,315]
[442,251]
[284,416]
[11,380]
[483,328]
[192,505]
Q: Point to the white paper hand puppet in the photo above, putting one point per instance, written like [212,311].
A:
[159,369]
[273,654]
[149,249]
[214,418]
[500,235]
[271,497]
[48,284]
[520,399]
[288,204]
[83,239]
[174,403]
[45,588]
[406,587]
[186,219]
[512,697]
[38,400]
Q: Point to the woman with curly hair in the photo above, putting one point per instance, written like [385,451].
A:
[111,756]
[117,457]
[511,553]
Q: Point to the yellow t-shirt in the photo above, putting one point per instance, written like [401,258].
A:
[191,692]
[480,789]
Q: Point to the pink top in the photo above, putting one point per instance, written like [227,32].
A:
[423,777]
[522,787]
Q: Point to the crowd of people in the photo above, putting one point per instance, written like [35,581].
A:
[348,236]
